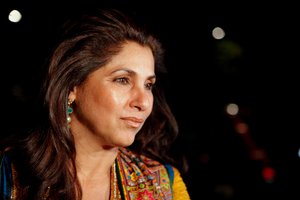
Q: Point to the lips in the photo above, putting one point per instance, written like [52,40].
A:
[133,121]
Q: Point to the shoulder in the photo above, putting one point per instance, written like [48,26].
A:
[5,174]
[5,163]
[179,188]
[165,175]
[4,157]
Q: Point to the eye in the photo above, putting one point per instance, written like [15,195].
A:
[122,80]
[149,86]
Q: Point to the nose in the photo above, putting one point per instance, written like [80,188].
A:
[142,99]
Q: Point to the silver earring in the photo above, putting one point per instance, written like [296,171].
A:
[69,110]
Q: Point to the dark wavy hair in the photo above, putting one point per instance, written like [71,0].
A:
[87,45]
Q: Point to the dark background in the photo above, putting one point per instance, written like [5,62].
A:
[255,66]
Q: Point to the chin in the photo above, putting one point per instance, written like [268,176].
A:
[125,139]
[127,142]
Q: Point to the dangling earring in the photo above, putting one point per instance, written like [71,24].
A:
[69,110]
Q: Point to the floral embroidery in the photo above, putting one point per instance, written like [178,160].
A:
[145,195]
[141,178]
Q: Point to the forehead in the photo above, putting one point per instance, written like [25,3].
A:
[132,58]
[131,51]
[133,55]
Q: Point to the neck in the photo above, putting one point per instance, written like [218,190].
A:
[93,164]
[94,171]
[93,158]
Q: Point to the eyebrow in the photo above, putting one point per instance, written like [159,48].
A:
[131,72]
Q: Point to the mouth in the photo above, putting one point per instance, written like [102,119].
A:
[133,121]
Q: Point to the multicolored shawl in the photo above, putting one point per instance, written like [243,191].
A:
[141,178]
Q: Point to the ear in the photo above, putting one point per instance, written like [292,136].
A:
[72,94]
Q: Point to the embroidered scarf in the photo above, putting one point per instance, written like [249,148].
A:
[141,178]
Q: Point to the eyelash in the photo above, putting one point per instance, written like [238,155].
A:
[149,86]
[125,81]
[122,80]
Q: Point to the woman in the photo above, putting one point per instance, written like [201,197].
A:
[108,126]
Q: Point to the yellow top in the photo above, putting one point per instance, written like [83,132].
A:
[179,187]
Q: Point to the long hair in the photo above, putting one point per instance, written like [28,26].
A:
[87,45]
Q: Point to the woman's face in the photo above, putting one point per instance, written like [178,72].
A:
[114,102]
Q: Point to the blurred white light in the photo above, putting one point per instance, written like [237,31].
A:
[14,16]
[298,152]
[218,33]
[232,109]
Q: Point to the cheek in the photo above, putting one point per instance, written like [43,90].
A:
[151,102]
[112,99]
[116,97]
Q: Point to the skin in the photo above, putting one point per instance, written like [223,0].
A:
[111,107]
